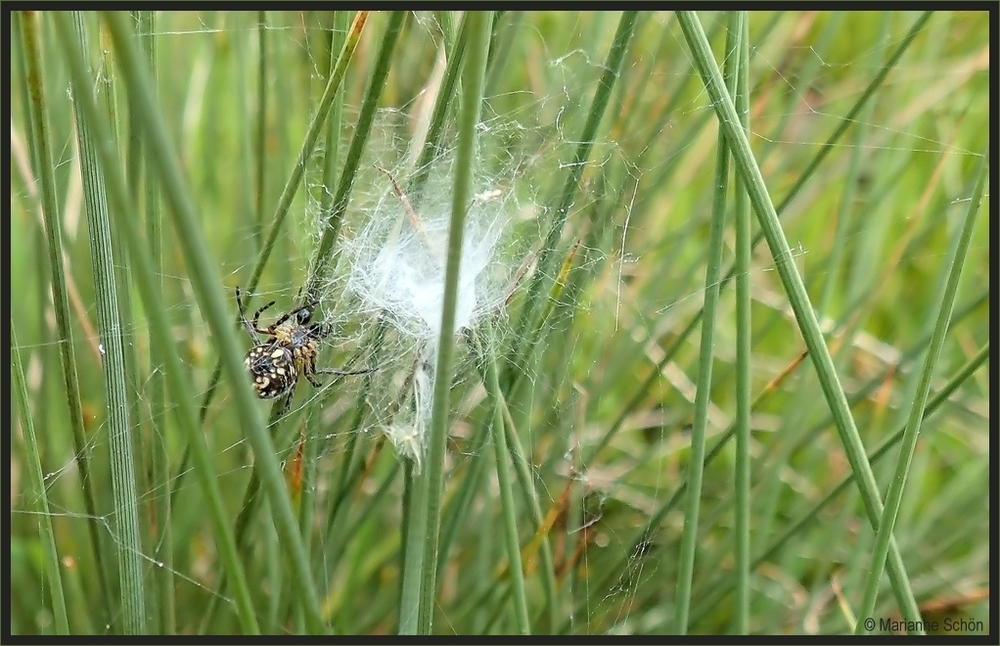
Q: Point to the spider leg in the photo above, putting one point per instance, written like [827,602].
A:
[344,373]
[256,320]
[298,295]
[286,404]
[250,329]
[320,331]
[239,301]
[338,373]
[287,315]
[309,304]
[309,369]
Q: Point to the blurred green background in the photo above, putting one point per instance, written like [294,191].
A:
[603,402]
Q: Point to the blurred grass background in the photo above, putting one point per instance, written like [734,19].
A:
[602,404]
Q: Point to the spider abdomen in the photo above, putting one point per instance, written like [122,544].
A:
[273,368]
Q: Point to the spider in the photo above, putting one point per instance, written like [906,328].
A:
[288,352]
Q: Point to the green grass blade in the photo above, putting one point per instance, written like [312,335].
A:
[110,326]
[445,99]
[547,258]
[741,480]
[801,181]
[768,554]
[155,390]
[657,518]
[38,140]
[308,146]
[696,464]
[526,483]
[955,263]
[159,328]
[849,119]
[260,133]
[798,298]
[331,224]
[430,484]
[508,507]
[51,565]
